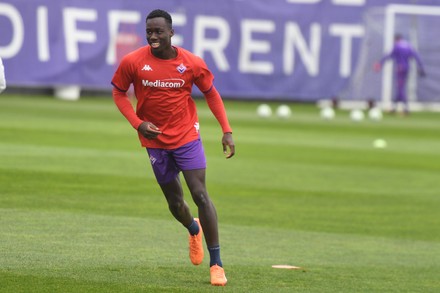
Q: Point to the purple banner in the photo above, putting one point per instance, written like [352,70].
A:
[278,49]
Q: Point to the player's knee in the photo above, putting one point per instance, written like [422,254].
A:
[176,206]
[201,198]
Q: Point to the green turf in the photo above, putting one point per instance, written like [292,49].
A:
[80,210]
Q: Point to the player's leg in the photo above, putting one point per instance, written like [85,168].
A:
[180,210]
[177,205]
[192,161]
[195,180]
[402,77]
[405,95]
[167,175]
[395,98]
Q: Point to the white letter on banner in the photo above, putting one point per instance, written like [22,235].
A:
[115,17]
[178,20]
[349,2]
[16,43]
[346,32]
[73,35]
[248,46]
[216,46]
[336,2]
[293,38]
[42,34]
[303,1]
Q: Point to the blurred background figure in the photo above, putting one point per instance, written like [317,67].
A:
[2,76]
[401,54]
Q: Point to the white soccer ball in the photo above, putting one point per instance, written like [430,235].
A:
[379,143]
[327,113]
[375,114]
[357,115]
[264,111]
[284,112]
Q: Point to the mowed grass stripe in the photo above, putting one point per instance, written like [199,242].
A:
[54,244]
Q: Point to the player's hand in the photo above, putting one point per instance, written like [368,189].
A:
[228,142]
[149,130]
[377,66]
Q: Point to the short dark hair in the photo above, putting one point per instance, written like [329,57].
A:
[160,13]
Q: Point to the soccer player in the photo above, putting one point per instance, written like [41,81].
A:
[166,120]
[401,53]
[2,76]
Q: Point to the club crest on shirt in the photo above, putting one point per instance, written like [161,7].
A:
[181,68]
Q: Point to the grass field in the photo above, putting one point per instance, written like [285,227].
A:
[80,210]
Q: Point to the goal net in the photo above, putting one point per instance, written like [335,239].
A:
[417,24]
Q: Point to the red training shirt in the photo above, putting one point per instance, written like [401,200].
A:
[163,92]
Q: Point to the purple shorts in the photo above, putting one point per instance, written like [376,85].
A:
[168,163]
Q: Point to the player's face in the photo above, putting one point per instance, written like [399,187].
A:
[159,35]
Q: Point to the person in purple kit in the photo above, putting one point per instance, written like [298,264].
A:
[401,54]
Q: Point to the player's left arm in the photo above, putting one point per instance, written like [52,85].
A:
[215,104]
[203,79]
[228,142]
[419,63]
[388,56]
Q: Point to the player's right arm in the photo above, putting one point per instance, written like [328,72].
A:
[124,105]
[146,129]
[121,81]
[149,130]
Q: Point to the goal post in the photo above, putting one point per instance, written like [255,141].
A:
[392,11]
[417,23]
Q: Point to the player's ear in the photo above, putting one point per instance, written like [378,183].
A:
[172,32]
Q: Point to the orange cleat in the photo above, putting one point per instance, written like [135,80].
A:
[218,277]
[196,252]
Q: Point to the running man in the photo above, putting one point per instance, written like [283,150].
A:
[166,120]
